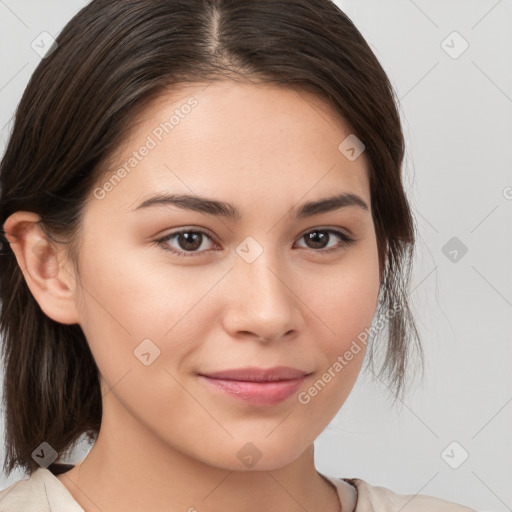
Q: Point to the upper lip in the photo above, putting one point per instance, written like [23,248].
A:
[253,374]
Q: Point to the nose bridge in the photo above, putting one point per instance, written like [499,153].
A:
[266,306]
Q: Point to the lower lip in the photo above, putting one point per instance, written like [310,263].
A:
[257,393]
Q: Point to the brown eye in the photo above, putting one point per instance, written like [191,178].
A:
[320,238]
[187,241]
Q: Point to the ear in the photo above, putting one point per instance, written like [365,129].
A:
[44,266]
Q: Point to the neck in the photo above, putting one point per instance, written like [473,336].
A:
[129,469]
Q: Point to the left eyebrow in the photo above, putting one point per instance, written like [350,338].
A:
[223,209]
[330,204]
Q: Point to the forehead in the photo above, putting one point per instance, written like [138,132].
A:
[246,139]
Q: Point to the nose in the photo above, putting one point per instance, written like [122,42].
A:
[260,301]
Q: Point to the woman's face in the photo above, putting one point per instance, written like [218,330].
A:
[162,316]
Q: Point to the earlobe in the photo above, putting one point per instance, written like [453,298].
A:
[43,264]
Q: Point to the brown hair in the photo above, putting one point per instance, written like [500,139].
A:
[111,60]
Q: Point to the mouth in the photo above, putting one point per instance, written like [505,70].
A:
[253,374]
[257,386]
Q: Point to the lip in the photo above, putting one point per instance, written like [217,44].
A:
[253,374]
[257,386]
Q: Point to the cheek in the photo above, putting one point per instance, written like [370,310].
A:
[131,297]
[347,308]
[346,298]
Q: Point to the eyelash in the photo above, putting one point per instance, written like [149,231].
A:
[161,242]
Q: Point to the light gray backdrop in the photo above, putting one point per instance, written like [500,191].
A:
[451,65]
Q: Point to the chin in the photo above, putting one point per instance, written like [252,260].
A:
[257,455]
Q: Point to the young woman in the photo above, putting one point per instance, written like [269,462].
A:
[202,214]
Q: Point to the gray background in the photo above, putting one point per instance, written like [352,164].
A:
[457,113]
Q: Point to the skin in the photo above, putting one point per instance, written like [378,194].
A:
[167,440]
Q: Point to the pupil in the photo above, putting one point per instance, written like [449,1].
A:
[318,237]
[190,240]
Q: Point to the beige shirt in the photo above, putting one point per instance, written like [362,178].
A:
[44,492]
